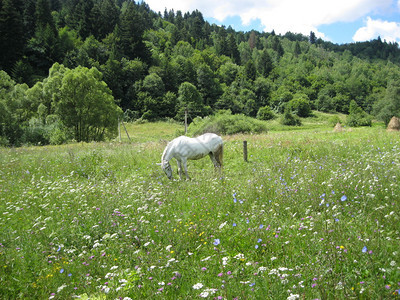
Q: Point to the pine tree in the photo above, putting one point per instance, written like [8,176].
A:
[11,34]
[130,35]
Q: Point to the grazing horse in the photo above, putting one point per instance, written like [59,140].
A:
[183,148]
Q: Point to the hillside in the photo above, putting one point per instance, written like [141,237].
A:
[156,66]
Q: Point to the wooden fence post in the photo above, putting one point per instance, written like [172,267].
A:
[245,151]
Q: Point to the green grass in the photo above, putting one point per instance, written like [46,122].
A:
[312,214]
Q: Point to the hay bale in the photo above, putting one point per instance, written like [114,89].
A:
[394,124]
[338,127]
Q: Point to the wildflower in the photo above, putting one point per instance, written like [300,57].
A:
[293,297]
[203,268]
[216,242]
[261,226]
[204,294]
[364,249]
[220,274]
[256,246]
[61,288]
[222,225]
[344,198]
[259,240]
[62,271]
[198,286]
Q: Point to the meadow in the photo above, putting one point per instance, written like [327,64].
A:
[313,214]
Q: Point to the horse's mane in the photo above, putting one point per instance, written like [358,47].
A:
[166,150]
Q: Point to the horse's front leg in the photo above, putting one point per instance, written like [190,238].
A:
[184,162]
[179,169]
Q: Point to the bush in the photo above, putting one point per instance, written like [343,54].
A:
[300,105]
[290,119]
[357,116]
[226,123]
[334,120]
[265,113]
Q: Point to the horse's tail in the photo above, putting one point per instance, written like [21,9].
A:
[219,154]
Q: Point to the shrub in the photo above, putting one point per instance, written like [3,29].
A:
[357,116]
[300,105]
[290,119]
[265,113]
[226,123]
[334,120]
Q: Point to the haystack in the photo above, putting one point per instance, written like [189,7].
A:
[394,124]
[338,128]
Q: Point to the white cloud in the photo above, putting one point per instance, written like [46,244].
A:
[299,16]
[389,31]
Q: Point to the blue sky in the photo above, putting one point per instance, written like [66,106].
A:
[338,21]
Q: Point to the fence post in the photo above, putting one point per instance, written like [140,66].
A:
[186,113]
[119,130]
[245,151]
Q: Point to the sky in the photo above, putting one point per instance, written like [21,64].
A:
[338,21]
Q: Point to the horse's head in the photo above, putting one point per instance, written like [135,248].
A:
[167,168]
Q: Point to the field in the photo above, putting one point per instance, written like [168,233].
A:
[313,214]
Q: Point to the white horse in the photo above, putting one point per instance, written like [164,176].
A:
[183,148]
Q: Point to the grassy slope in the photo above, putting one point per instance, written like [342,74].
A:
[313,213]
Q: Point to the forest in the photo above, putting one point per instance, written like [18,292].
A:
[70,69]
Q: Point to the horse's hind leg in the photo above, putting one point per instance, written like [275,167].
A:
[214,160]
[217,156]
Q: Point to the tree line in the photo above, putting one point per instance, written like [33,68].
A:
[71,68]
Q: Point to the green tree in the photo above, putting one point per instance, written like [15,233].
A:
[300,105]
[11,34]
[265,113]
[105,17]
[190,99]
[357,116]
[207,85]
[389,105]
[250,70]
[228,72]
[86,106]
[154,86]
[264,63]
[129,35]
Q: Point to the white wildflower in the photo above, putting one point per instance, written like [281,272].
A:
[222,225]
[293,297]
[262,269]
[204,294]
[198,286]
[61,288]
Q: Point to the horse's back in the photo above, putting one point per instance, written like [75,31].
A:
[198,147]
[212,140]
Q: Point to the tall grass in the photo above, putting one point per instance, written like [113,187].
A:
[312,214]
